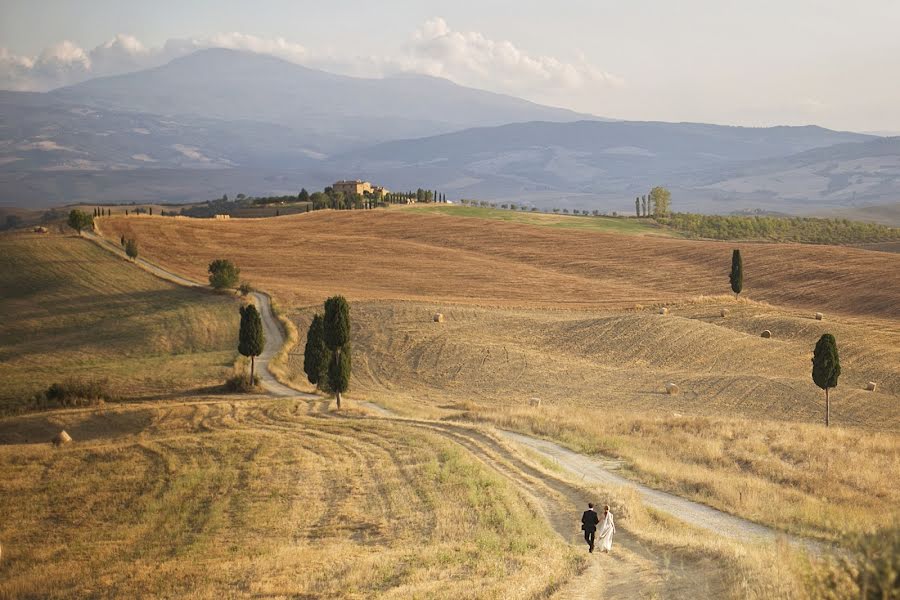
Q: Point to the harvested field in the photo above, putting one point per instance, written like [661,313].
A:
[71,309]
[410,255]
[743,434]
[254,499]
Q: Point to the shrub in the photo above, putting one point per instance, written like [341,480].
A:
[76,392]
[869,571]
[223,274]
[245,288]
[240,383]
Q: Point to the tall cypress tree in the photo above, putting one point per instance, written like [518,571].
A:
[337,340]
[315,354]
[251,339]
[826,369]
[637,206]
[737,273]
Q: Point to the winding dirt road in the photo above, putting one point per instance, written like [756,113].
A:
[633,570]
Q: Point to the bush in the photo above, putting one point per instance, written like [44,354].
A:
[245,288]
[869,571]
[240,383]
[76,392]
[223,274]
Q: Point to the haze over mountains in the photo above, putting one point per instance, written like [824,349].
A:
[222,121]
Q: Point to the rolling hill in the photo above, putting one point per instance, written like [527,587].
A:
[346,111]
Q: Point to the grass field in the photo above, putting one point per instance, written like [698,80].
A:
[744,434]
[605,224]
[71,309]
[255,499]
[407,255]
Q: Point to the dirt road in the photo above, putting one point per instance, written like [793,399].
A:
[633,570]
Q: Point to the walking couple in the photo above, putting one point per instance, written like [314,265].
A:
[589,522]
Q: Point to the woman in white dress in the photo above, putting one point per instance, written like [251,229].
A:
[606,530]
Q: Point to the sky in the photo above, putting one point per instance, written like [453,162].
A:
[760,63]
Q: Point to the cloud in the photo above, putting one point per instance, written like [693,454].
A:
[468,58]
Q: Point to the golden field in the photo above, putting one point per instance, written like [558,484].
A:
[410,255]
[72,310]
[571,317]
[259,499]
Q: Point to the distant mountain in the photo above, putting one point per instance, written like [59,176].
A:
[222,121]
[340,112]
[583,161]
[841,176]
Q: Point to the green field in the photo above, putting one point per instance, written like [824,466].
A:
[607,224]
[71,309]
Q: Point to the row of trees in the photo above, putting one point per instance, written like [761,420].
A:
[657,203]
[826,362]
[787,229]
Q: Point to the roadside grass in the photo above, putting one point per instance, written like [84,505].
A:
[250,499]
[71,310]
[800,478]
[589,223]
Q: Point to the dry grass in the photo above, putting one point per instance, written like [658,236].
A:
[804,479]
[394,254]
[743,435]
[253,499]
[70,309]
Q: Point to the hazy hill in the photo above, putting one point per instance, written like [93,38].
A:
[585,161]
[844,175]
[349,111]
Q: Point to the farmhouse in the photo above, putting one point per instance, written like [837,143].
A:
[359,187]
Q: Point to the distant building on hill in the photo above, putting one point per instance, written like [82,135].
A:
[358,187]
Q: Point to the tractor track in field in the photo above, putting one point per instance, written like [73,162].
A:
[633,569]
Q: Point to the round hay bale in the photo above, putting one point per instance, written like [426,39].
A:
[534,402]
[61,438]
[672,388]
[871,386]
[724,312]
[767,334]
[664,311]
[819,316]
[438,317]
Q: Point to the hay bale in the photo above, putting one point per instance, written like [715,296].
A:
[534,402]
[61,438]
[819,316]
[767,334]
[664,311]
[724,312]
[672,388]
[871,386]
[438,318]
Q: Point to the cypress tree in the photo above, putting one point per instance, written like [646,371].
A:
[637,206]
[251,339]
[826,369]
[337,340]
[737,273]
[131,248]
[315,354]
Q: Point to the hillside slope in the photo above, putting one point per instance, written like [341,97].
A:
[395,254]
[72,310]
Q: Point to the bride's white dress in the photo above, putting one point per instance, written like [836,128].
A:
[605,533]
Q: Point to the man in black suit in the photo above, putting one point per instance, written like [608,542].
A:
[589,522]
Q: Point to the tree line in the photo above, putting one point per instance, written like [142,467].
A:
[782,229]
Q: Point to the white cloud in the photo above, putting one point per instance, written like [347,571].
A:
[472,59]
